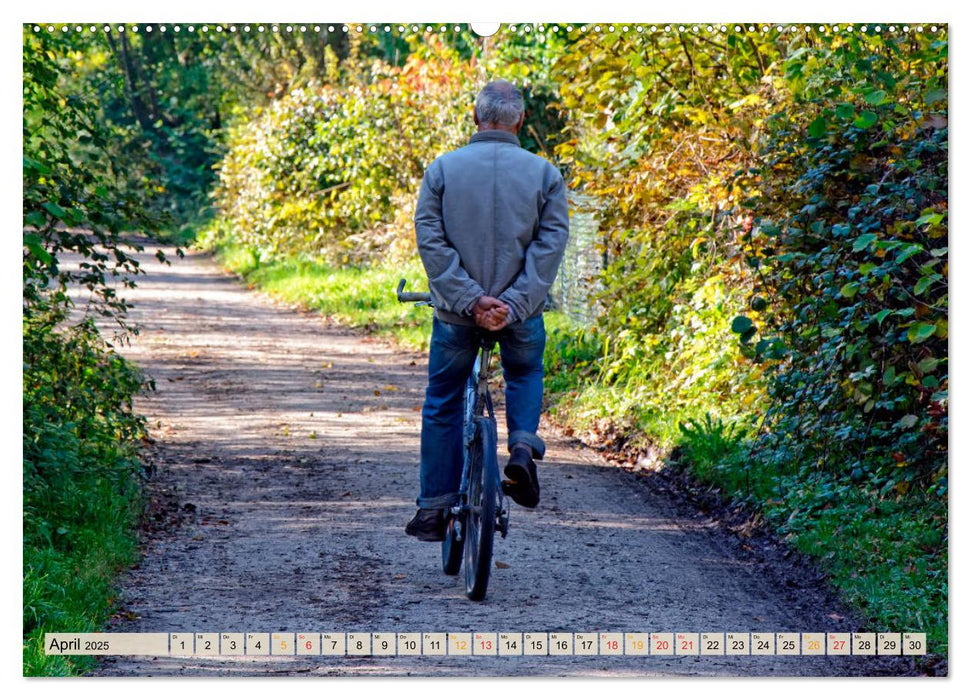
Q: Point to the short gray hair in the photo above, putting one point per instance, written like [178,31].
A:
[500,102]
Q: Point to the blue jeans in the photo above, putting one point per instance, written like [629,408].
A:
[451,356]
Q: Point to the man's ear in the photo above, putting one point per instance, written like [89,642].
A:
[475,116]
[522,119]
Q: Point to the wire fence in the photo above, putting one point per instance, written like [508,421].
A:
[578,280]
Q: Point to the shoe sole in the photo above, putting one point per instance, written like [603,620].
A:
[423,537]
[426,536]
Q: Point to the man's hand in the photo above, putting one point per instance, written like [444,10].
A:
[490,313]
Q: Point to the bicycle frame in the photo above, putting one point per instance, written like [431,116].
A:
[478,402]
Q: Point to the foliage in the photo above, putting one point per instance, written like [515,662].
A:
[659,125]
[317,172]
[74,200]
[850,244]
[802,183]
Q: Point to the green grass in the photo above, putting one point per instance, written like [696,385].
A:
[69,574]
[73,591]
[360,297]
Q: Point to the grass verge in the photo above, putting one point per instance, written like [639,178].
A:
[82,493]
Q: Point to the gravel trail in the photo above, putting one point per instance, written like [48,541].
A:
[285,467]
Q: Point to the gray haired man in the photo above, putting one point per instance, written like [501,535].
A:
[491,225]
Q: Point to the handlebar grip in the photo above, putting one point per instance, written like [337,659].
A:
[411,296]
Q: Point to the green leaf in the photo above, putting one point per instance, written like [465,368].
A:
[850,289]
[845,111]
[928,364]
[865,120]
[880,315]
[924,283]
[909,252]
[908,421]
[877,97]
[863,241]
[934,95]
[769,228]
[919,332]
[888,375]
[36,219]
[866,268]
[817,128]
[55,211]
[33,243]
[741,324]
[36,165]
[931,219]
[758,304]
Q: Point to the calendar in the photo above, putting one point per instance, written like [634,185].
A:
[497,644]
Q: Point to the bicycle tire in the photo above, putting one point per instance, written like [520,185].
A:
[480,522]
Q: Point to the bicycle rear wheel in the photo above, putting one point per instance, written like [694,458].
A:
[480,522]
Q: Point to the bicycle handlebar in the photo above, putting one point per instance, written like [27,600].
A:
[412,296]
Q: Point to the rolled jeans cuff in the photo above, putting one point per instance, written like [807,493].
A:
[527,438]
[444,501]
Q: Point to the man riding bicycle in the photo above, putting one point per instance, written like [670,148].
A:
[491,225]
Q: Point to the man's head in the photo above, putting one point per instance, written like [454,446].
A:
[499,106]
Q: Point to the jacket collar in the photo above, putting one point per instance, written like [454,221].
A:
[494,135]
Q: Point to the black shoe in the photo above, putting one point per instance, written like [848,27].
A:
[428,525]
[522,486]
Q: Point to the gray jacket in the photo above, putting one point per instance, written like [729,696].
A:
[491,220]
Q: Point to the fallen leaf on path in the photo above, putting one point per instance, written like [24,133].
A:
[398,577]
[501,564]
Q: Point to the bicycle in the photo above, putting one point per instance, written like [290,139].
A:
[482,509]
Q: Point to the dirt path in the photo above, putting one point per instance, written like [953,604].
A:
[286,463]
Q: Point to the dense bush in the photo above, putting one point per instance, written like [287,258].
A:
[332,170]
[850,246]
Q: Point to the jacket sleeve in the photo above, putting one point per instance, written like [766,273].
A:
[450,285]
[528,292]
